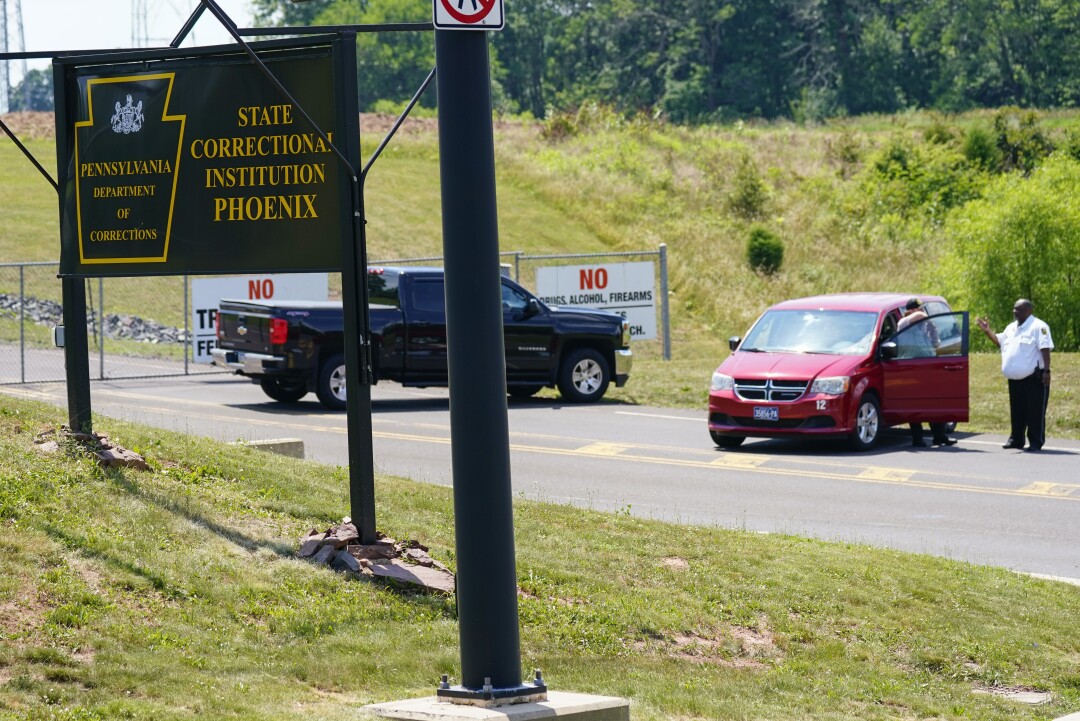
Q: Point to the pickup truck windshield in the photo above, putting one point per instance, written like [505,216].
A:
[836,332]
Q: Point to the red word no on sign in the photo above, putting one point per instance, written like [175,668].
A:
[468,11]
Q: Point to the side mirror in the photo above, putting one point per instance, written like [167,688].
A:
[533,308]
[733,342]
[889,350]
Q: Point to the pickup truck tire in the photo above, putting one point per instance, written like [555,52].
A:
[283,390]
[584,376]
[331,386]
[523,391]
[867,424]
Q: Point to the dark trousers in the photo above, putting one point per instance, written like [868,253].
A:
[937,429]
[1027,409]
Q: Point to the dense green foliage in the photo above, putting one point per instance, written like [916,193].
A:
[1022,240]
[706,60]
[33,92]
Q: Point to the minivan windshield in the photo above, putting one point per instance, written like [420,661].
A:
[836,332]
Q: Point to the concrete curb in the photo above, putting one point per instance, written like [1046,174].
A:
[292,447]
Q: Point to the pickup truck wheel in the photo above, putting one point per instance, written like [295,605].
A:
[331,388]
[584,376]
[283,390]
[523,391]
[725,441]
[867,424]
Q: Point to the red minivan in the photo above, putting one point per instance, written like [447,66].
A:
[835,366]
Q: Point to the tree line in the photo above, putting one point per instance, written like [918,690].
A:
[702,61]
[697,61]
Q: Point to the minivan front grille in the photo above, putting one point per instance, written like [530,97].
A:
[769,390]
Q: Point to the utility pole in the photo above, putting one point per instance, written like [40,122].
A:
[139,27]
[22,46]
[5,76]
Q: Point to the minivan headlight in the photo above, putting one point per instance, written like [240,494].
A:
[831,386]
[721,382]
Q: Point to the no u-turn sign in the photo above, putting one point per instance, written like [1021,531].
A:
[469,15]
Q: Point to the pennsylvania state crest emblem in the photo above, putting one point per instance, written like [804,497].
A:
[128,118]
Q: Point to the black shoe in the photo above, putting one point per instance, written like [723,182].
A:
[944,441]
[918,443]
[1013,444]
[1033,448]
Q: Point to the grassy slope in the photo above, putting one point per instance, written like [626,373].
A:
[180,597]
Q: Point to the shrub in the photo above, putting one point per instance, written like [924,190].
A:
[1020,139]
[938,132]
[558,126]
[764,250]
[908,179]
[749,193]
[980,148]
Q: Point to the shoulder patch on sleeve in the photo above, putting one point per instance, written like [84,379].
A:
[1044,331]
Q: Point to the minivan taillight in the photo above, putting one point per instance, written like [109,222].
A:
[279,331]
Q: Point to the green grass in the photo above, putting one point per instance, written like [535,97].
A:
[180,596]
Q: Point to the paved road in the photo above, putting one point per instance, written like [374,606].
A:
[974,501]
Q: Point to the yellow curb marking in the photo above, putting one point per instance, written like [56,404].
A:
[1042,488]
[886,474]
[734,460]
[603,449]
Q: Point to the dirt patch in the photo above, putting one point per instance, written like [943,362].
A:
[730,646]
[1020,694]
[41,126]
[29,125]
[20,619]
[675,563]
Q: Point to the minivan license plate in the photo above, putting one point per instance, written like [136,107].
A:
[766,413]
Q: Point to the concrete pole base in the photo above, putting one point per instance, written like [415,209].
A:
[559,705]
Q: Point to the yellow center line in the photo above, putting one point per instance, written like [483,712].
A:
[605,450]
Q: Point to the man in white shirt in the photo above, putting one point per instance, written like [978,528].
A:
[1025,361]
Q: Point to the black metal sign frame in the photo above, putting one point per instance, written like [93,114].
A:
[191,161]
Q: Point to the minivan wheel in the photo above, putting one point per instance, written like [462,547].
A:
[867,424]
[331,386]
[725,441]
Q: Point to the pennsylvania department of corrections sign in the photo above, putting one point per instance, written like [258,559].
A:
[195,163]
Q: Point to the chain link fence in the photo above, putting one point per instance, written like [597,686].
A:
[141,327]
[136,327]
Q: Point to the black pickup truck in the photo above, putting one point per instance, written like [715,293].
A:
[291,348]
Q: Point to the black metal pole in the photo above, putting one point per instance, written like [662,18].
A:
[354,298]
[73,290]
[76,354]
[479,430]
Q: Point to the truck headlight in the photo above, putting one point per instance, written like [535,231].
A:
[625,333]
[831,386]
[721,382]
